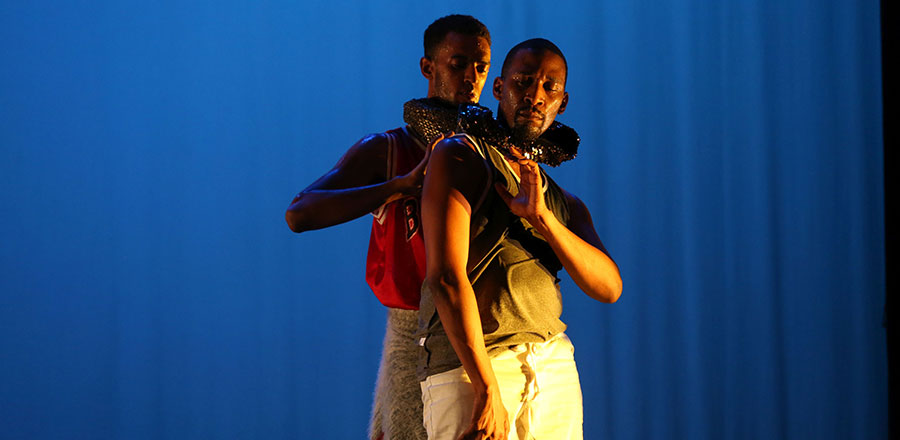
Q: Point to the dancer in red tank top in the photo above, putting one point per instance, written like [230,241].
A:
[380,174]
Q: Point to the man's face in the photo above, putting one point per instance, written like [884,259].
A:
[458,68]
[532,92]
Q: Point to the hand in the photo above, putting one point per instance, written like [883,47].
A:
[416,177]
[529,203]
[489,419]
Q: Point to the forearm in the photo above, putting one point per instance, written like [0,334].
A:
[591,268]
[446,217]
[321,208]
[455,302]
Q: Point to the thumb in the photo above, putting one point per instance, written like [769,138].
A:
[439,138]
[434,143]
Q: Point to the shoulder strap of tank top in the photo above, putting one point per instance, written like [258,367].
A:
[482,151]
[490,222]
[391,155]
[390,168]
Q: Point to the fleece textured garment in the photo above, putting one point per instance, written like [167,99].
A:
[397,410]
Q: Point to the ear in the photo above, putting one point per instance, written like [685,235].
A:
[565,102]
[498,87]
[427,68]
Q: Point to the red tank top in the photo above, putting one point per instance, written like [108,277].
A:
[395,265]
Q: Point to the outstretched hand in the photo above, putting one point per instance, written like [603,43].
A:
[490,420]
[529,202]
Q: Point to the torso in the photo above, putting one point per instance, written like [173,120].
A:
[512,270]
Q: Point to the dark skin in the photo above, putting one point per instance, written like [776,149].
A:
[456,72]
[531,94]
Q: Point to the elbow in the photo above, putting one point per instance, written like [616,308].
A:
[609,292]
[614,292]
[296,216]
[294,221]
[615,289]
[442,287]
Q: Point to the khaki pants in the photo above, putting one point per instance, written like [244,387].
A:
[538,384]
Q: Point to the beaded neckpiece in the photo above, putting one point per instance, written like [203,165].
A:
[429,118]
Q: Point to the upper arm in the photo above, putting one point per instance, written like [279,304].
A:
[454,177]
[365,163]
[581,224]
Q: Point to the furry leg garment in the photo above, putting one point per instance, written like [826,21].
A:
[397,409]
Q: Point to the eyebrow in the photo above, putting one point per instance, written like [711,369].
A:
[466,58]
[552,78]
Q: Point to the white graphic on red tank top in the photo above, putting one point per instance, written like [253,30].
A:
[411,211]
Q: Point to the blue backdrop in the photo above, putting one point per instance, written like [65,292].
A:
[150,289]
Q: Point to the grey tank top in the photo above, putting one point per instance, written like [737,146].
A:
[512,270]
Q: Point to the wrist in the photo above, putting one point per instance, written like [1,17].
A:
[542,221]
[484,391]
[400,186]
[484,384]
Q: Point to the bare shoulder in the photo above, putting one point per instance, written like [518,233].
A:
[579,216]
[370,148]
[575,204]
[581,223]
[455,164]
[364,163]
[457,148]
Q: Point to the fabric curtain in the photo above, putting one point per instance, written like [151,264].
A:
[731,158]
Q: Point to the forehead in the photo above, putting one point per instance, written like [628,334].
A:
[537,61]
[456,44]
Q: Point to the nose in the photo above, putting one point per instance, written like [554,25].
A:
[535,95]
[471,74]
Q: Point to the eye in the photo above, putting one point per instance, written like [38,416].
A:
[481,68]
[523,81]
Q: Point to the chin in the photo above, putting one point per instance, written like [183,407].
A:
[525,133]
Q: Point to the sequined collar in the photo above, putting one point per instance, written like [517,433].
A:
[429,118]
[557,145]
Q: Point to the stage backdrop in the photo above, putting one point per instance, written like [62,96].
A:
[731,157]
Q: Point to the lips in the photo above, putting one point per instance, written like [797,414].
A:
[530,115]
[468,96]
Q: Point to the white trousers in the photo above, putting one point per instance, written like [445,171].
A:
[538,385]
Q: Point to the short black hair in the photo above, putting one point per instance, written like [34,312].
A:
[461,24]
[533,44]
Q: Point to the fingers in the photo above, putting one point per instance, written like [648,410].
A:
[489,426]
[483,435]
[528,168]
[431,146]
[495,434]
[441,137]
[473,433]
[434,143]
[530,176]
